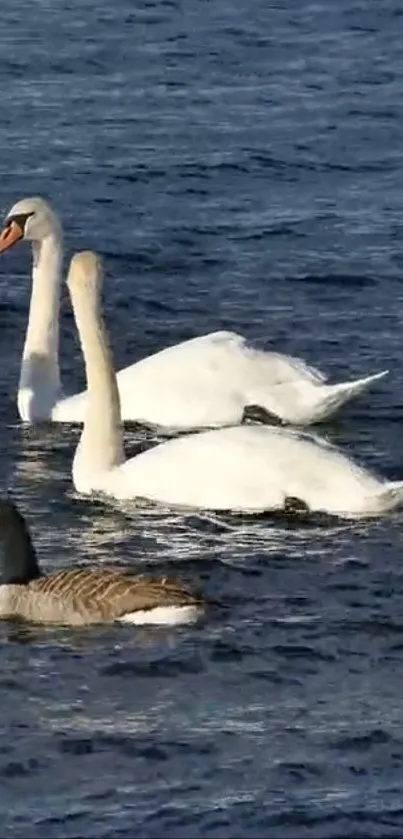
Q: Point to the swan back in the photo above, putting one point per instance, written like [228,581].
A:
[101,444]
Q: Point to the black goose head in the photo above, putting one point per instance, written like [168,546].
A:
[18,562]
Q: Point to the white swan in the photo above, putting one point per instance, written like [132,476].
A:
[206,381]
[244,468]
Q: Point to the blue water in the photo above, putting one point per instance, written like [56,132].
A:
[239,165]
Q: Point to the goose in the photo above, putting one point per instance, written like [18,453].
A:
[81,596]
[208,381]
[247,468]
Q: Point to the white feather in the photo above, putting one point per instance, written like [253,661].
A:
[166,615]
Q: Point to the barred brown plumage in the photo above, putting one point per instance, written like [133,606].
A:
[107,595]
[82,596]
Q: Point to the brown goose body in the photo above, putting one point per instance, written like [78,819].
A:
[81,596]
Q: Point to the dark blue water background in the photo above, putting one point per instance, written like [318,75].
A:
[239,165]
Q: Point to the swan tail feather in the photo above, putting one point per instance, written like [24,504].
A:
[391,496]
[337,395]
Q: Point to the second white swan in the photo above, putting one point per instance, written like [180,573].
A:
[206,381]
[242,468]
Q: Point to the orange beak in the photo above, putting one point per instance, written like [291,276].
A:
[10,234]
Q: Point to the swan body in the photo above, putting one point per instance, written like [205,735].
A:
[251,469]
[182,386]
[242,468]
[204,382]
[80,596]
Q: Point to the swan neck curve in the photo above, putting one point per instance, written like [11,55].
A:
[39,386]
[101,444]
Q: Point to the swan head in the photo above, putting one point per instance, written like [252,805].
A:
[85,275]
[31,219]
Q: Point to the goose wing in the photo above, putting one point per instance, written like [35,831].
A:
[85,596]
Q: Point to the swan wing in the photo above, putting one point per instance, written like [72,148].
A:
[206,381]
[209,381]
[248,468]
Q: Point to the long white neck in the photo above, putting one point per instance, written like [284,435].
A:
[39,387]
[101,444]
